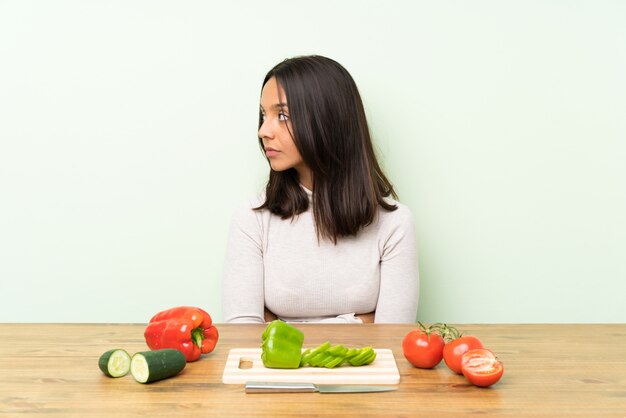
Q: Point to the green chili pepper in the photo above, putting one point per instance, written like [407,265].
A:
[281,346]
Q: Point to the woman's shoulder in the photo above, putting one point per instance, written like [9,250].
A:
[401,207]
[253,201]
[402,215]
[246,208]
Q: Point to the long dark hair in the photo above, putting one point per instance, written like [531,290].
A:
[330,130]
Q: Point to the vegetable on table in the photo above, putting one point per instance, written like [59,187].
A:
[457,344]
[115,363]
[481,367]
[463,354]
[282,349]
[423,347]
[330,356]
[281,345]
[185,328]
[150,366]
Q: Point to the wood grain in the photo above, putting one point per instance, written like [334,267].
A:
[550,371]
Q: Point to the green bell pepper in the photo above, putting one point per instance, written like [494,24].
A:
[281,346]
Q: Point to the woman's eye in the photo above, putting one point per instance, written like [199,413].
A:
[283,116]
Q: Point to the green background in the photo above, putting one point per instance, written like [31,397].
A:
[128,136]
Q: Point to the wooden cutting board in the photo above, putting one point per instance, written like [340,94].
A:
[382,371]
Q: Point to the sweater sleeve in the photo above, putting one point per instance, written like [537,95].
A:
[399,275]
[242,282]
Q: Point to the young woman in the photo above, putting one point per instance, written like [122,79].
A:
[325,242]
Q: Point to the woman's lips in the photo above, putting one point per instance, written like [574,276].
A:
[271,152]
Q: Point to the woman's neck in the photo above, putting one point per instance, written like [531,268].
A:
[306,178]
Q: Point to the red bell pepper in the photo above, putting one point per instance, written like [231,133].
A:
[185,328]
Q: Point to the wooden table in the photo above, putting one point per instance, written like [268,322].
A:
[550,371]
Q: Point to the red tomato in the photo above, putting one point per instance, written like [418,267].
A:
[454,350]
[423,349]
[481,367]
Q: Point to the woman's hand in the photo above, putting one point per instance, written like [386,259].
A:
[367,318]
[269,316]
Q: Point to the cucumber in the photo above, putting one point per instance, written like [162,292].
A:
[115,363]
[150,366]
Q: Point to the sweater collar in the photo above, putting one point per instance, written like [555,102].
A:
[308,192]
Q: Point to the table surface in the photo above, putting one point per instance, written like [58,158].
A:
[550,371]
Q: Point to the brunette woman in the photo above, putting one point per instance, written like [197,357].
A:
[326,241]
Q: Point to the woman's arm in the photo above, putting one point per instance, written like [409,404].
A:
[242,285]
[399,275]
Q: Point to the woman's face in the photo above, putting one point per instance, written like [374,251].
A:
[275,133]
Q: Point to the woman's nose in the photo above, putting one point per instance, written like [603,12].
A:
[265,131]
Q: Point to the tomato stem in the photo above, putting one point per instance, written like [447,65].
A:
[447,332]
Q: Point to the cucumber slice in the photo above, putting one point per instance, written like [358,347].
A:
[150,366]
[115,363]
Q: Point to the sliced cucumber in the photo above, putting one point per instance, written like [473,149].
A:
[115,363]
[150,366]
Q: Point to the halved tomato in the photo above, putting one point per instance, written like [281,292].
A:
[481,367]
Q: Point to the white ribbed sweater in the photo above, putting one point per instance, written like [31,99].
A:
[282,265]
